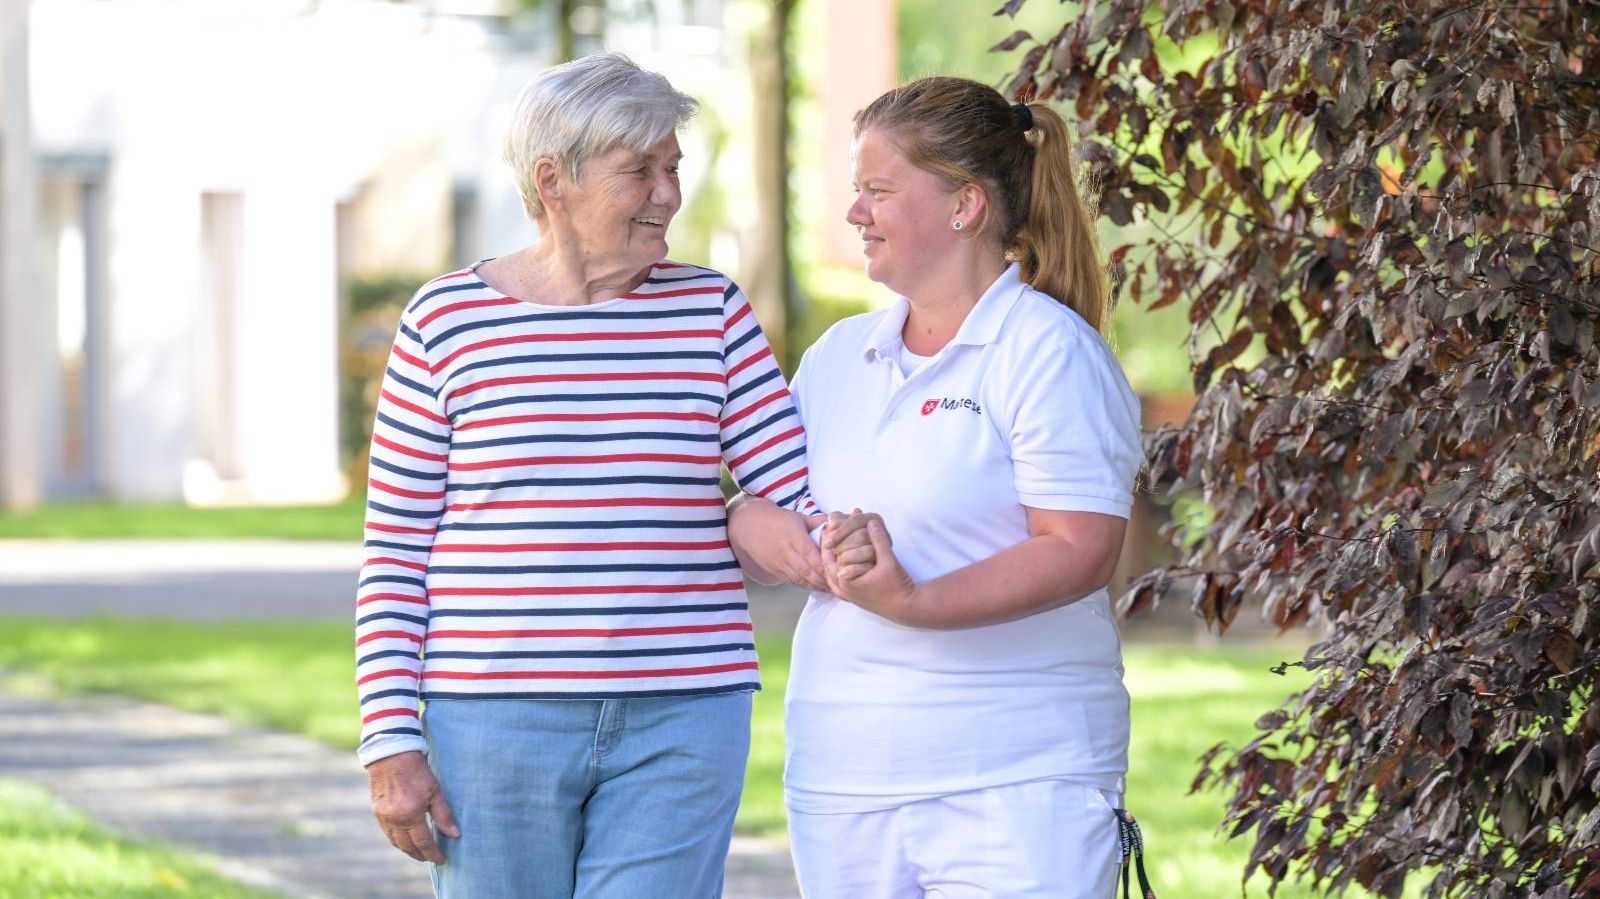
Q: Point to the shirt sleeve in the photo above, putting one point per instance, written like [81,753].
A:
[1074,428]
[405,499]
[763,442]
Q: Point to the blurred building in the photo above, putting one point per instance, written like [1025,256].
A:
[185,187]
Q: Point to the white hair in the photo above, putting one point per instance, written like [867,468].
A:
[584,108]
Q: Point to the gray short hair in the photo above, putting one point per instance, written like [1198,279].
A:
[584,108]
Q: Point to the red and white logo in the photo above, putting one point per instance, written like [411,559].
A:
[929,406]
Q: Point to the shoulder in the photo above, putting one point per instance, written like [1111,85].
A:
[444,289]
[1041,322]
[670,275]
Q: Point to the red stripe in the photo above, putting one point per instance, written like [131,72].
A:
[408,451]
[585,460]
[769,398]
[396,529]
[766,445]
[380,675]
[389,713]
[766,353]
[588,416]
[585,503]
[585,377]
[413,360]
[465,304]
[387,560]
[455,274]
[665,264]
[565,338]
[380,635]
[592,632]
[571,547]
[392,597]
[791,476]
[589,675]
[743,311]
[413,494]
[680,292]
[413,407]
[592,590]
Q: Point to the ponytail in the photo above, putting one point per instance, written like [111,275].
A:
[1056,246]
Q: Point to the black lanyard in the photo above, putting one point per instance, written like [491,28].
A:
[1132,848]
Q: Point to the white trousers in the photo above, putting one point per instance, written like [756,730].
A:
[1042,840]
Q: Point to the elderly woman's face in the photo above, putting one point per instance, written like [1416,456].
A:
[624,200]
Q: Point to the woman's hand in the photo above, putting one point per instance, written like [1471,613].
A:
[860,565]
[404,795]
[774,544]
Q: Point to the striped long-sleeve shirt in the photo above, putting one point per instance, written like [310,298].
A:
[544,514]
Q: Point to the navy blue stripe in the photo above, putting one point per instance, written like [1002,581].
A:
[599,653]
[788,501]
[756,429]
[392,616]
[411,731]
[585,315]
[618,480]
[385,694]
[406,472]
[714,401]
[556,359]
[701,275]
[439,291]
[392,579]
[532,614]
[581,569]
[733,347]
[387,654]
[401,547]
[616,694]
[748,386]
[585,438]
[719,521]
[415,432]
[728,292]
[402,513]
[411,335]
[755,476]
[413,385]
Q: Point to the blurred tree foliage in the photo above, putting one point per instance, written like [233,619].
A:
[1397,208]
[372,313]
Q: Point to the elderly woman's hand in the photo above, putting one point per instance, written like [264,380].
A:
[774,544]
[859,563]
[404,794]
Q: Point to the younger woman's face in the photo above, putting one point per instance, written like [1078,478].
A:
[903,213]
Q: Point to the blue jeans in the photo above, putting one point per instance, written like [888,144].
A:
[593,799]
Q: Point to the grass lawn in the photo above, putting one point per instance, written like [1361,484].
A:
[49,851]
[341,521]
[298,678]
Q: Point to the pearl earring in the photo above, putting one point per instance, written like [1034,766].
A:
[957,225]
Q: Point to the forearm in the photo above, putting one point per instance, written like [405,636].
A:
[757,528]
[1041,573]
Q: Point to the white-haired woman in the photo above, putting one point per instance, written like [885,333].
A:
[548,565]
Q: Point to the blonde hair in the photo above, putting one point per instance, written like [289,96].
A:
[965,132]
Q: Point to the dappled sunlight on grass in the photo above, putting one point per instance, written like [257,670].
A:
[49,850]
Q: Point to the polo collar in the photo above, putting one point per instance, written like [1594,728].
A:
[981,326]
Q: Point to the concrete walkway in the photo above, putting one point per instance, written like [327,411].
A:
[271,810]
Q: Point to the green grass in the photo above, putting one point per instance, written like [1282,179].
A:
[341,521]
[298,678]
[49,851]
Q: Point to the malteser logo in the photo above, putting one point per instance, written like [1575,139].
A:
[929,406]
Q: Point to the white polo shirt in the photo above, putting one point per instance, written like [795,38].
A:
[1025,406]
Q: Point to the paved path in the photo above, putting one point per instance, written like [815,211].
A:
[275,811]
[224,579]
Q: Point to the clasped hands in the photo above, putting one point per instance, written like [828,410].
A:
[854,558]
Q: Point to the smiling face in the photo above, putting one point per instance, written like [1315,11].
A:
[904,215]
[622,202]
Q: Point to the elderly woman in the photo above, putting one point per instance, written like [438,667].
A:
[548,563]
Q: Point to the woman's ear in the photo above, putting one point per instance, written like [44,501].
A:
[972,207]
[547,181]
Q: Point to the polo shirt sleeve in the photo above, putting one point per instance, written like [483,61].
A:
[1074,427]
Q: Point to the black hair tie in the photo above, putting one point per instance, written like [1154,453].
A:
[1024,115]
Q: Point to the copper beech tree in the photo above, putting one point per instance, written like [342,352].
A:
[1384,221]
